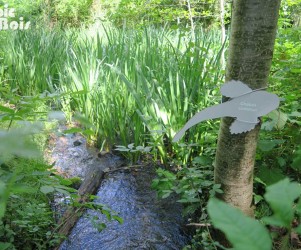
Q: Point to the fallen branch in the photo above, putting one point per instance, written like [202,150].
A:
[89,187]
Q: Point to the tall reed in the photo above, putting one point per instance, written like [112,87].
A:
[33,59]
[134,86]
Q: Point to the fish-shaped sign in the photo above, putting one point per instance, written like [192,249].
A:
[245,104]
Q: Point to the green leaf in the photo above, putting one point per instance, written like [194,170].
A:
[297,160]
[277,120]
[281,161]
[296,70]
[155,183]
[166,194]
[295,114]
[22,188]
[72,130]
[298,229]
[40,173]
[270,176]
[122,149]
[257,179]
[140,148]
[5,245]
[267,145]
[107,214]
[243,232]
[2,209]
[147,149]
[16,142]
[46,189]
[6,110]
[298,207]
[88,132]
[117,218]
[202,160]
[257,198]
[83,120]
[65,182]
[281,197]
[62,191]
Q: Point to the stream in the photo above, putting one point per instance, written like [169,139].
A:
[148,222]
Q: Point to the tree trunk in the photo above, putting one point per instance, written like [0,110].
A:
[190,18]
[253,31]
[223,30]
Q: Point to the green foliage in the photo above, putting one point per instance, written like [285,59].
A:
[43,13]
[32,60]
[242,231]
[35,222]
[157,12]
[276,120]
[16,141]
[145,83]
[96,222]
[26,221]
[246,233]
[267,145]
[164,183]
[103,77]
[269,175]
[297,160]
[72,13]
[7,236]
[164,88]
[23,206]
[135,89]
[193,186]
[277,156]
[202,240]
[286,58]
[27,184]
[290,13]
[31,10]
[133,153]
[281,197]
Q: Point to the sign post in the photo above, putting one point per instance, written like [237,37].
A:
[245,104]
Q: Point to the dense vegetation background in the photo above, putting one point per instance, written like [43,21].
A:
[146,67]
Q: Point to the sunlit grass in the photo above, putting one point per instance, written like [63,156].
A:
[134,86]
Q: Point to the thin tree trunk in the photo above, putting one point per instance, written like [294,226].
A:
[190,17]
[253,31]
[223,30]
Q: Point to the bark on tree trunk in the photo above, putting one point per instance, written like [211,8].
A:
[223,30]
[253,31]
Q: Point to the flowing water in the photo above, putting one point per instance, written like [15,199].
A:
[149,223]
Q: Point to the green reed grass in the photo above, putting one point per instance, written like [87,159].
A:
[134,86]
[33,59]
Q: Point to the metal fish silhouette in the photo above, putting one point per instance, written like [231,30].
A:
[245,104]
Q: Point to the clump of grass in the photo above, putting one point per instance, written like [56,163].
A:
[134,86]
[33,60]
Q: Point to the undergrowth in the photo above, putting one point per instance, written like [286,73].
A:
[133,90]
[146,83]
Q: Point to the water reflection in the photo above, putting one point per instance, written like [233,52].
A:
[149,223]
